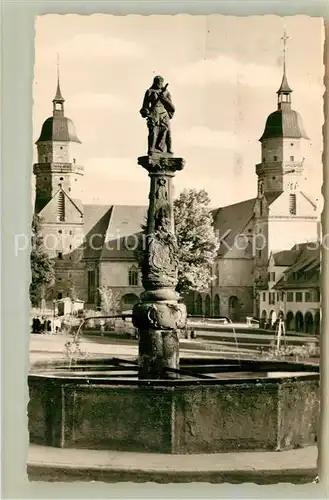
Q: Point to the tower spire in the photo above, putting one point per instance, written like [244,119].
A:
[284,97]
[58,101]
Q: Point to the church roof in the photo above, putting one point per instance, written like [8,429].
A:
[124,228]
[58,128]
[96,221]
[112,232]
[284,123]
[230,221]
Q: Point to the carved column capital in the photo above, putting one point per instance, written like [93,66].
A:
[164,164]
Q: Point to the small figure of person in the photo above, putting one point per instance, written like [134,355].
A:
[37,325]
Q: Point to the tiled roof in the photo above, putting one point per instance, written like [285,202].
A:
[232,220]
[122,231]
[284,123]
[96,221]
[58,128]
[307,259]
[285,257]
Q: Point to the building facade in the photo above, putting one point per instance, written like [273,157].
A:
[94,245]
[293,289]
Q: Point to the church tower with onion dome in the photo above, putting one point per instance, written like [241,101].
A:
[58,169]
[284,212]
[283,145]
[58,198]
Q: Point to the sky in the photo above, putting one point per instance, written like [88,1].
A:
[223,73]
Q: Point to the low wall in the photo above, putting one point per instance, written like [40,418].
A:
[226,416]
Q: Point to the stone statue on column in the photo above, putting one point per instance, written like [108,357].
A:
[158,110]
[161,313]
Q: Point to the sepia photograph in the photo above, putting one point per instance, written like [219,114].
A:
[176,247]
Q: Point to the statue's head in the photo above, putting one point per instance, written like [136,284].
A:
[158,82]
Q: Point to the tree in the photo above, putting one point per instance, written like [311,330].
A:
[42,268]
[110,303]
[197,244]
[196,240]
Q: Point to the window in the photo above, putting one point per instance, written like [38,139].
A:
[60,231]
[272,276]
[318,295]
[70,247]
[46,159]
[299,296]
[264,296]
[61,178]
[263,158]
[278,296]
[271,297]
[91,286]
[291,158]
[292,204]
[59,295]
[275,158]
[61,207]
[60,255]
[259,254]
[133,276]
[290,296]
[309,296]
[71,232]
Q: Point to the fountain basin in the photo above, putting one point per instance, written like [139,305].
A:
[216,405]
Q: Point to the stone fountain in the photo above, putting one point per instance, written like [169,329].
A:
[163,403]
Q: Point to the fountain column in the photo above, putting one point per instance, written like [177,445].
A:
[160,314]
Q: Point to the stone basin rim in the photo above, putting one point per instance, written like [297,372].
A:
[46,371]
